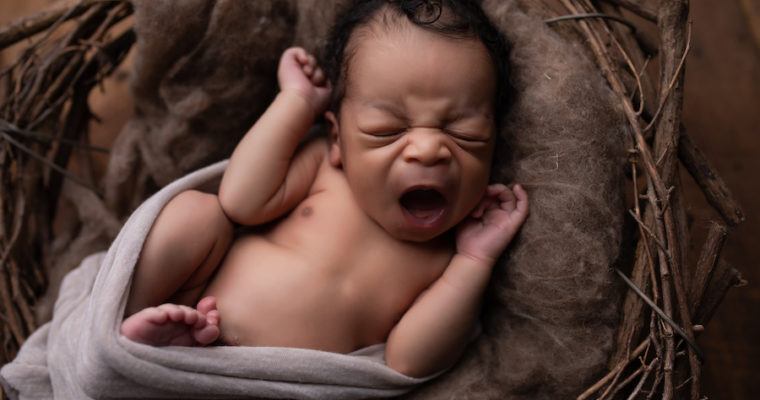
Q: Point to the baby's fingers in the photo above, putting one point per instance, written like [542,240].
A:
[307,61]
[485,203]
[318,77]
[521,195]
[492,199]
[511,200]
[310,67]
[300,54]
[502,195]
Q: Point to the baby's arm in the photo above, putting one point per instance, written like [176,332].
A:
[268,173]
[434,332]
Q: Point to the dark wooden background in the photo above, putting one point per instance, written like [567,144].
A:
[722,115]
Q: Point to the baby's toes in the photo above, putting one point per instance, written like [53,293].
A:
[193,316]
[179,313]
[206,335]
[172,312]
[206,304]
[212,317]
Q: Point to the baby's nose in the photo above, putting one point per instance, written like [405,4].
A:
[426,146]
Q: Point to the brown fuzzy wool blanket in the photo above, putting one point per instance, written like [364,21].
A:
[203,70]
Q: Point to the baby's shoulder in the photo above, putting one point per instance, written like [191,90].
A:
[328,175]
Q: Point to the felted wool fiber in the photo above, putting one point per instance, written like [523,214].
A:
[551,314]
[204,70]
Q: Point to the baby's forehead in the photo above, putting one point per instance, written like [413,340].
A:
[399,31]
[403,43]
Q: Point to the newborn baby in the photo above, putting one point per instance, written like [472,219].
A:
[386,231]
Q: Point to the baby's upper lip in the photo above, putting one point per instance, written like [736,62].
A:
[426,186]
[426,178]
[420,188]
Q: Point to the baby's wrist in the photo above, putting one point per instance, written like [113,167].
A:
[486,262]
[468,273]
[304,101]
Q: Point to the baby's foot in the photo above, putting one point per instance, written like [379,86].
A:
[174,324]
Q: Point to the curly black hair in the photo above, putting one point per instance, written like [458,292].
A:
[464,19]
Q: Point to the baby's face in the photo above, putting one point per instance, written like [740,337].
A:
[415,136]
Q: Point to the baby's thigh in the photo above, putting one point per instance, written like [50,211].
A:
[185,244]
[198,217]
[190,228]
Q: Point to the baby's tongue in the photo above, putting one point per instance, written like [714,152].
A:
[423,203]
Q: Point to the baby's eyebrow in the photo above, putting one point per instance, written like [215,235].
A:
[387,106]
[469,113]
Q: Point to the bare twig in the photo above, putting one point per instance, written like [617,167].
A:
[715,190]
[724,278]
[674,36]
[677,75]
[708,260]
[10,128]
[591,15]
[607,378]
[28,26]
[45,161]
[648,231]
[43,117]
[661,313]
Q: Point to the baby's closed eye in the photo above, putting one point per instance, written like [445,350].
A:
[474,128]
[385,130]
[382,125]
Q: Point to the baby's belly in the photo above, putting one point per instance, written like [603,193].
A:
[270,295]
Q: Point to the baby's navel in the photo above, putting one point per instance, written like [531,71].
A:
[306,211]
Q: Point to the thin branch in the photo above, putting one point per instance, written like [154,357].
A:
[676,76]
[606,379]
[713,187]
[661,313]
[47,162]
[708,260]
[11,128]
[592,15]
[651,234]
[28,26]
[647,371]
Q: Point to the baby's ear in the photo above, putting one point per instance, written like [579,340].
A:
[333,132]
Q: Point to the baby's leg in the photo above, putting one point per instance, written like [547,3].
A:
[174,325]
[185,245]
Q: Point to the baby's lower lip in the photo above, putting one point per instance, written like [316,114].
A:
[431,219]
[424,208]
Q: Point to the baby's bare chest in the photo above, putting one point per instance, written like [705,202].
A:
[322,277]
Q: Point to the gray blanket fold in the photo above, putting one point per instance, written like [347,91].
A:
[81,354]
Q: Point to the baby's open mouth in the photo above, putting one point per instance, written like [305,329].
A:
[424,204]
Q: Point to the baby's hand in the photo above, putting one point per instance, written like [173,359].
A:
[299,71]
[493,223]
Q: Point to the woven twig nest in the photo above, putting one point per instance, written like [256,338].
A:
[73,46]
